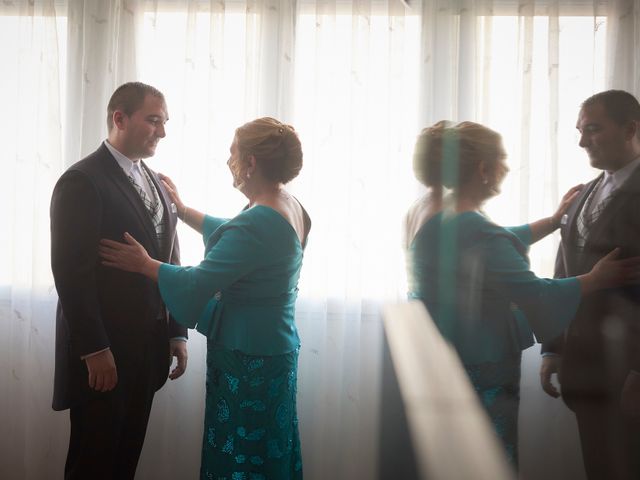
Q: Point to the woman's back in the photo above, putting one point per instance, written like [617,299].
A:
[418,214]
[474,278]
[292,211]
[448,270]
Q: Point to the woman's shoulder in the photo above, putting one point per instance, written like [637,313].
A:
[477,226]
[463,225]
[477,220]
[418,215]
[424,204]
[418,206]
[261,221]
[258,215]
[481,230]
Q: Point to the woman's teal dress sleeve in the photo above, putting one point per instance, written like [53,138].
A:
[210,224]
[548,304]
[523,232]
[189,292]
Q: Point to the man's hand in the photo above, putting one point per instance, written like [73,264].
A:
[103,375]
[550,365]
[178,349]
[630,397]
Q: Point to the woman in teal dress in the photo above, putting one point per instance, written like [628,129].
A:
[474,276]
[242,298]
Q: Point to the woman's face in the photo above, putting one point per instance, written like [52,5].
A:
[235,165]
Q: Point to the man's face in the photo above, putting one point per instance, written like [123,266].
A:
[604,140]
[144,128]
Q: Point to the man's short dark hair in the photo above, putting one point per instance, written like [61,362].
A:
[129,98]
[621,106]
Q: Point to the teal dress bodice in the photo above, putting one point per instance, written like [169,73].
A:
[242,295]
[474,277]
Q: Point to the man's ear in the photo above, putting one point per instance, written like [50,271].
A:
[632,130]
[119,119]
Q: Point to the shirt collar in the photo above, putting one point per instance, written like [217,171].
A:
[125,162]
[620,176]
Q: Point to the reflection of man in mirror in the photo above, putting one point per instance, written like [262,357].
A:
[598,358]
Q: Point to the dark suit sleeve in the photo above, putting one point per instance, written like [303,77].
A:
[556,345]
[76,212]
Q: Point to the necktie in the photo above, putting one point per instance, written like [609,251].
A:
[152,204]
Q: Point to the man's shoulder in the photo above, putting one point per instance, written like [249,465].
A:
[92,169]
[632,184]
[92,164]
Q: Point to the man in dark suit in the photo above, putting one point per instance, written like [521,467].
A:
[598,358]
[114,337]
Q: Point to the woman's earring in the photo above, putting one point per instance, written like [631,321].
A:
[485,181]
[248,175]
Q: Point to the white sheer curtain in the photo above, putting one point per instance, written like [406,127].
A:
[31,139]
[355,106]
[358,79]
[623,39]
[101,54]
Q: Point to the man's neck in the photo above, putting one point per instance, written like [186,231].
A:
[121,148]
[623,163]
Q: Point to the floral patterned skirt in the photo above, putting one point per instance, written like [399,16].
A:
[251,424]
[498,386]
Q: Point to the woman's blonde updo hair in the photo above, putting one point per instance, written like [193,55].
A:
[274,145]
[448,154]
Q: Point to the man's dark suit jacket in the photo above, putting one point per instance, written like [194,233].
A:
[98,306]
[602,343]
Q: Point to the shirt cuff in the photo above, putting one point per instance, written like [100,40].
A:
[179,339]
[550,354]
[83,357]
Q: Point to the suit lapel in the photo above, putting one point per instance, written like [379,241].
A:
[118,177]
